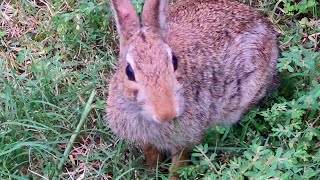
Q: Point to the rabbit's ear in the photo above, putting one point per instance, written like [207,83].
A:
[126,18]
[154,15]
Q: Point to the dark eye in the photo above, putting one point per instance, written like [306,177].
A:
[174,62]
[130,73]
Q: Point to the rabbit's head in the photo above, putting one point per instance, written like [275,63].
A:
[148,67]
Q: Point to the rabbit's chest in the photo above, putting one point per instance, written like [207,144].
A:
[165,136]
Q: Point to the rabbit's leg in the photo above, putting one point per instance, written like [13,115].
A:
[152,155]
[180,158]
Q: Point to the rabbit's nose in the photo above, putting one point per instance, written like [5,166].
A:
[165,114]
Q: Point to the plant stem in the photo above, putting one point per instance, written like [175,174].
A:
[75,134]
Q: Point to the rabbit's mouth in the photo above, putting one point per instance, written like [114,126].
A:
[162,121]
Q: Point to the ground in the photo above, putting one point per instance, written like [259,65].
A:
[57,57]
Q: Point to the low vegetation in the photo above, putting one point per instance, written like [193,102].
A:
[57,57]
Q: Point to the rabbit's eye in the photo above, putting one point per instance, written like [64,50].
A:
[174,62]
[130,73]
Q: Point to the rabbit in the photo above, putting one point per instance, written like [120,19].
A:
[186,67]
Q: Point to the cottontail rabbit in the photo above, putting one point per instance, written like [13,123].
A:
[187,67]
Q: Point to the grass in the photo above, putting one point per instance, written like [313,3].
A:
[57,57]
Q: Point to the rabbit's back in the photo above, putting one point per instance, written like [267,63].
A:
[228,54]
[214,16]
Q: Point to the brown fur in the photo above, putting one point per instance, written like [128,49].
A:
[152,155]
[227,55]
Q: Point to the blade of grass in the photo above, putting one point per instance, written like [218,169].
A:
[74,136]
[119,177]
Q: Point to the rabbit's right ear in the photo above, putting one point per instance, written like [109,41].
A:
[126,18]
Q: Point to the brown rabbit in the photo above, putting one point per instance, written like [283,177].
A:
[187,67]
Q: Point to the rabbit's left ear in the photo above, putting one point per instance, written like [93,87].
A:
[154,16]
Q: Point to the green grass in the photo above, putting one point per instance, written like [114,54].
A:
[55,55]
